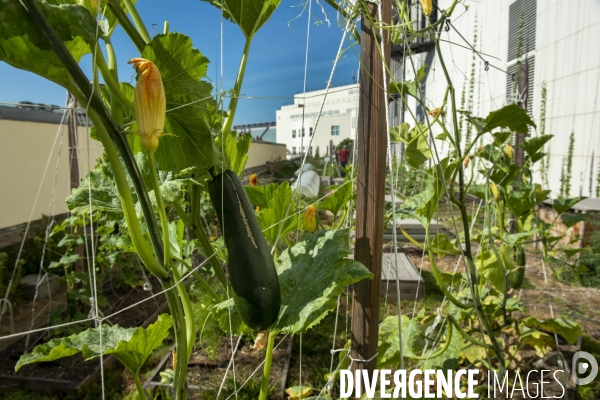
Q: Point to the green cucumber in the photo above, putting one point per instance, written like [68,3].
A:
[252,272]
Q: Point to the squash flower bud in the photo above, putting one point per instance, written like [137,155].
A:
[150,103]
[427,7]
[310,219]
[509,151]
[495,190]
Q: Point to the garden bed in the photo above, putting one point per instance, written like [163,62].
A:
[71,374]
[205,374]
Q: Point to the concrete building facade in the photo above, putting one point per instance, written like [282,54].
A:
[297,123]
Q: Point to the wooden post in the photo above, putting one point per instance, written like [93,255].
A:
[371,155]
[519,153]
[72,104]
[72,126]
[522,93]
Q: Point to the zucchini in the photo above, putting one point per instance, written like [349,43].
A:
[252,272]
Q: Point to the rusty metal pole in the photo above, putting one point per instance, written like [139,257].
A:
[371,155]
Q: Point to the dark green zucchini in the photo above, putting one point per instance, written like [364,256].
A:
[251,269]
[516,277]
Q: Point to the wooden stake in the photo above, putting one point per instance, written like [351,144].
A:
[371,155]
[522,103]
[72,124]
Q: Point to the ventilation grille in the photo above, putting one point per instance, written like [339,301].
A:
[527,10]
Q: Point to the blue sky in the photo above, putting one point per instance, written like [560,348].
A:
[275,66]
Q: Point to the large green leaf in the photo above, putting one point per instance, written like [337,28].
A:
[249,15]
[312,274]
[237,151]
[278,218]
[533,145]
[24,47]
[260,195]
[388,351]
[98,191]
[133,353]
[131,346]
[450,358]
[563,205]
[508,117]
[191,110]
[409,87]
[417,149]
[564,327]
[337,200]
[571,219]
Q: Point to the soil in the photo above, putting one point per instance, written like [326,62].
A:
[75,368]
[205,374]
[550,297]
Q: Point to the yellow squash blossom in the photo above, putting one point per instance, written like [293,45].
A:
[509,151]
[253,180]
[427,7]
[310,219]
[495,190]
[150,103]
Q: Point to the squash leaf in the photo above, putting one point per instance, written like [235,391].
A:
[564,205]
[564,327]
[312,274]
[24,47]
[337,200]
[131,346]
[510,117]
[249,15]
[272,219]
[191,110]
[388,351]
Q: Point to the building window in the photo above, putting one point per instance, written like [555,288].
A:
[310,131]
[335,130]
[310,151]
[293,133]
[302,132]
[294,150]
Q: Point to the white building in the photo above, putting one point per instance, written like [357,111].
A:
[560,47]
[297,123]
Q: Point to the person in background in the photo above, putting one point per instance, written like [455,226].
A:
[343,159]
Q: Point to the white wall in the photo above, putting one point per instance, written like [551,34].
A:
[567,58]
[339,110]
[34,165]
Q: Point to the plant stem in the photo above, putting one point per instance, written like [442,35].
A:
[238,86]
[180,382]
[139,24]
[110,82]
[438,277]
[264,385]
[196,225]
[461,205]
[184,218]
[116,106]
[190,330]
[138,384]
[139,242]
[87,96]
[161,208]
[133,34]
